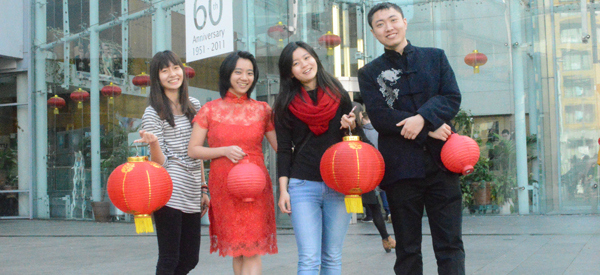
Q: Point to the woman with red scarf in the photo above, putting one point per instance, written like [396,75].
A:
[312,112]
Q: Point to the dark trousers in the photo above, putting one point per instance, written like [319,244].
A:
[439,193]
[378,220]
[178,237]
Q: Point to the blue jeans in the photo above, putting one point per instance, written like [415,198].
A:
[320,224]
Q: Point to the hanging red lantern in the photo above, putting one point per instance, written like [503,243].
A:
[189,71]
[80,96]
[475,59]
[140,187]
[246,181]
[142,80]
[460,154]
[279,33]
[330,41]
[598,161]
[111,91]
[56,102]
[352,168]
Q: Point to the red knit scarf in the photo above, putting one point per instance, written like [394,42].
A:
[317,117]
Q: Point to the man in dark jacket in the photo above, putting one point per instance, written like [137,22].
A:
[411,95]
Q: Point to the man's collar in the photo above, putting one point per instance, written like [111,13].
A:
[407,49]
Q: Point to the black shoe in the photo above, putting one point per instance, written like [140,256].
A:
[367,219]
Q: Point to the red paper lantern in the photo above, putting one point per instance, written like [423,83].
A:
[352,168]
[142,80]
[475,59]
[189,71]
[278,32]
[140,187]
[111,91]
[330,41]
[80,96]
[56,102]
[598,161]
[460,154]
[246,181]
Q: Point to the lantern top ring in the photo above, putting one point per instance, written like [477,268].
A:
[137,159]
[351,138]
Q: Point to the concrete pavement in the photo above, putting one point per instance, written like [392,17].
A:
[549,244]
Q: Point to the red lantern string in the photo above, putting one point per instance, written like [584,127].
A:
[330,41]
[142,80]
[279,33]
[56,102]
[460,154]
[352,168]
[246,181]
[111,91]
[189,71]
[475,59]
[80,96]
[140,187]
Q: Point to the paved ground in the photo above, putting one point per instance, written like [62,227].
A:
[551,244]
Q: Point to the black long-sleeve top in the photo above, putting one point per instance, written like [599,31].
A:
[395,87]
[305,162]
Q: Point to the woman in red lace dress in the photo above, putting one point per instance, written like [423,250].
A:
[234,126]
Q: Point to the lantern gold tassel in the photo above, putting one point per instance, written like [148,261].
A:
[143,224]
[353,204]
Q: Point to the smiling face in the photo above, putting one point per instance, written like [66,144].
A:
[171,77]
[304,68]
[389,27]
[242,77]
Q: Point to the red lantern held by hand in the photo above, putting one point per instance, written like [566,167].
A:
[352,168]
[460,154]
[475,59]
[140,187]
[246,181]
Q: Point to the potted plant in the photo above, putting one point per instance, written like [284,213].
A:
[478,185]
[115,152]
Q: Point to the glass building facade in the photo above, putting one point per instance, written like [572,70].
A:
[61,136]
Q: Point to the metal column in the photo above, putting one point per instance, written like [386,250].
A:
[41,125]
[519,92]
[95,100]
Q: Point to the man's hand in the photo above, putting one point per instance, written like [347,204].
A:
[412,126]
[441,133]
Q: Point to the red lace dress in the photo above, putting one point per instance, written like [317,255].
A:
[238,228]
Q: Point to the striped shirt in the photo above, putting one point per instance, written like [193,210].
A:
[184,171]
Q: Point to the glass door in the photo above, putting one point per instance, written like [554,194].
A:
[577,81]
[15,195]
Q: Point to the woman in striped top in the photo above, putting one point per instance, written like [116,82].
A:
[166,127]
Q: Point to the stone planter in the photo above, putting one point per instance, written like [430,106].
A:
[101,211]
[482,195]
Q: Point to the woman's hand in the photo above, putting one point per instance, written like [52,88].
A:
[204,204]
[441,133]
[234,153]
[284,202]
[348,121]
[146,137]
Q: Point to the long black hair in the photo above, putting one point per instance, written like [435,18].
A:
[290,86]
[227,68]
[158,99]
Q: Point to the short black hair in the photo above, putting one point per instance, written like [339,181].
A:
[227,68]
[382,6]
[505,131]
